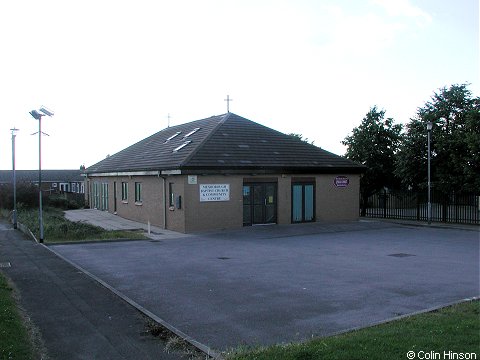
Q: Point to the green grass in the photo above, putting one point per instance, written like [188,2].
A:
[58,229]
[14,339]
[455,328]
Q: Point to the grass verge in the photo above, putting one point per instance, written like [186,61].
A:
[58,229]
[435,335]
[14,338]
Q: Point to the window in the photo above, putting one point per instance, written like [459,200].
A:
[173,136]
[124,191]
[303,202]
[171,195]
[96,195]
[105,196]
[138,192]
[181,146]
[191,132]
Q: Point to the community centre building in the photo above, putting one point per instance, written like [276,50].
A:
[224,172]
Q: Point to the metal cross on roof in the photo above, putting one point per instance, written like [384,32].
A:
[228,103]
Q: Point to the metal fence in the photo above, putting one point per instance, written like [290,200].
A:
[453,208]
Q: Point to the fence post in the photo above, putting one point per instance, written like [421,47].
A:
[418,206]
[445,207]
[384,204]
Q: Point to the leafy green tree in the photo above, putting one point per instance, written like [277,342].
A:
[455,143]
[374,144]
[300,137]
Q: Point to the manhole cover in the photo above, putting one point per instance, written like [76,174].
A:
[401,255]
[223,258]
[155,241]
[5,264]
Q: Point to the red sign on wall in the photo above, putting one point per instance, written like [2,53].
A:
[341,181]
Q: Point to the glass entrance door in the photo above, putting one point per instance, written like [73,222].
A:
[259,203]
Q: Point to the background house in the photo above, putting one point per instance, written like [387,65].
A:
[53,181]
[224,172]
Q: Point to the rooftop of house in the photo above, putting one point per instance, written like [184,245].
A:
[223,142]
[47,176]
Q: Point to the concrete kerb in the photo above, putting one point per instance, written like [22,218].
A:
[24,229]
[203,348]
[435,225]
[406,316]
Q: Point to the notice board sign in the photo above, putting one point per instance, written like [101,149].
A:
[341,181]
[214,192]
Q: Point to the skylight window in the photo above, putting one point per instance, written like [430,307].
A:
[173,136]
[191,132]
[181,146]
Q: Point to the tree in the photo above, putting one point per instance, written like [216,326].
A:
[455,143]
[374,144]
[300,137]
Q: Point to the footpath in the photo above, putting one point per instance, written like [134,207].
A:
[77,318]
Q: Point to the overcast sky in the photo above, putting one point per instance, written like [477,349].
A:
[113,70]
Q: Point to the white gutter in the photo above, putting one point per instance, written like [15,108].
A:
[126,173]
[171,172]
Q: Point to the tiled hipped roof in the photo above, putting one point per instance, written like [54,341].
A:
[224,142]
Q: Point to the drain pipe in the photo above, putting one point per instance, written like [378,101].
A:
[164,203]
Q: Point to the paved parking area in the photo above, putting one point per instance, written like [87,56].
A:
[265,285]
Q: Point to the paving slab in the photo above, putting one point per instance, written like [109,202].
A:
[111,221]
[265,285]
[77,317]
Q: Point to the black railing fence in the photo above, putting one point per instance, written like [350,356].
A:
[451,208]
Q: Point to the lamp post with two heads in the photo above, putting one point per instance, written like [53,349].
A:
[38,114]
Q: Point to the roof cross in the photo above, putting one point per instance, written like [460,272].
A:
[228,103]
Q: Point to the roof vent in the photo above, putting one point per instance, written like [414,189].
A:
[181,146]
[191,132]
[173,136]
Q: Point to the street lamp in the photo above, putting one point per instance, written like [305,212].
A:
[429,208]
[38,114]
[14,180]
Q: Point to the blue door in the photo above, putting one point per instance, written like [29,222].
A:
[303,203]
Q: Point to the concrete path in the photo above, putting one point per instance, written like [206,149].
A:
[77,318]
[273,284]
[110,221]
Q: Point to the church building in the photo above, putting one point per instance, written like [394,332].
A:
[224,172]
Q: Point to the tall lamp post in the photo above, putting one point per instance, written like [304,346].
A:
[429,208]
[38,114]
[14,180]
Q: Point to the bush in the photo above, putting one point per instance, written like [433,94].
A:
[27,195]
[61,202]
